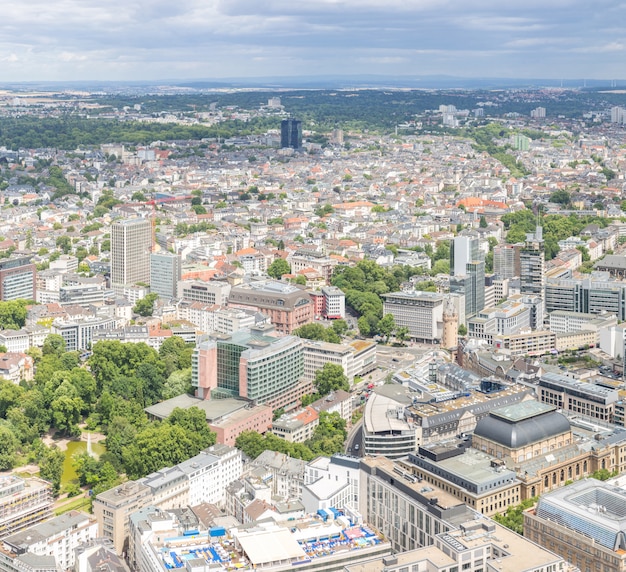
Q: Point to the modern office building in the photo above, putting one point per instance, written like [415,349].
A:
[287,306]
[506,261]
[585,398]
[467,272]
[357,358]
[211,292]
[420,312]
[82,294]
[532,264]
[18,279]
[593,295]
[165,273]
[433,532]
[131,242]
[250,365]
[291,134]
[585,523]
[23,503]
[79,334]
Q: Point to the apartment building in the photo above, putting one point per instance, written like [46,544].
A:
[356,359]
[48,545]
[131,243]
[532,343]
[200,479]
[297,426]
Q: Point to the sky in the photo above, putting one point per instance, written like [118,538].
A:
[121,40]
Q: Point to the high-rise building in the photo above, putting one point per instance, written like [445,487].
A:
[532,264]
[291,133]
[17,279]
[467,272]
[131,241]
[250,365]
[165,273]
[506,260]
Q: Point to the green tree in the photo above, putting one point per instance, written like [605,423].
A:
[194,421]
[54,344]
[462,330]
[513,518]
[402,333]
[13,314]
[277,268]
[178,383]
[145,306]
[316,331]
[340,326]
[8,448]
[364,326]
[172,351]
[330,378]
[386,326]
[51,467]
[483,222]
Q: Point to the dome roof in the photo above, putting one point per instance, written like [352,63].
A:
[522,424]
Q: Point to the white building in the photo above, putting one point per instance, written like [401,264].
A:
[56,539]
[331,483]
[420,312]
[334,303]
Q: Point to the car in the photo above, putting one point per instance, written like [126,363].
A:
[356,446]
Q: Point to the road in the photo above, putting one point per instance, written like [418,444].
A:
[355,436]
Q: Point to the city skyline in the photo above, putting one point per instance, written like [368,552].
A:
[83,41]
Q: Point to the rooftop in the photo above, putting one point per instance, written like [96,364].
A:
[522,410]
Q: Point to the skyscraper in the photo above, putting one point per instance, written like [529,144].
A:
[164,273]
[131,241]
[290,133]
[467,272]
[532,264]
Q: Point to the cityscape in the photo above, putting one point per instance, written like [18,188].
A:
[330,286]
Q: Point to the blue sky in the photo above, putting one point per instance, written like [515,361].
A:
[155,39]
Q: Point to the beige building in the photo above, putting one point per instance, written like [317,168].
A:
[535,343]
[131,242]
[298,426]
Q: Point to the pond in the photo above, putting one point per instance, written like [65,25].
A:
[76,448]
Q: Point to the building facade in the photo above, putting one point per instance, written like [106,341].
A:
[131,242]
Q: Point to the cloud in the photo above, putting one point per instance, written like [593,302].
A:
[152,39]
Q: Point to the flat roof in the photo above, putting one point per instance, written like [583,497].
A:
[522,410]
[214,409]
[265,546]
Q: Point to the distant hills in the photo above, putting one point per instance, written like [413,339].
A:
[316,82]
